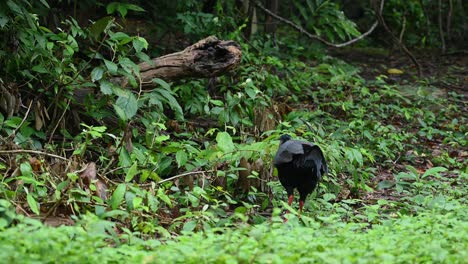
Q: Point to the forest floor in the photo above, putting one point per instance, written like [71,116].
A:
[445,72]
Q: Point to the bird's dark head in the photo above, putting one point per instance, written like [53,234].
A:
[284,138]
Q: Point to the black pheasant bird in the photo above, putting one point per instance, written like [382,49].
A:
[300,166]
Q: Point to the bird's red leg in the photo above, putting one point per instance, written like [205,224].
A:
[301,205]
[290,199]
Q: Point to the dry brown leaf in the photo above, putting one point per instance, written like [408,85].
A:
[89,174]
[35,164]
[101,189]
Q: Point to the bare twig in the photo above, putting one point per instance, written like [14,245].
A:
[449,20]
[22,121]
[30,151]
[184,174]
[395,38]
[58,122]
[21,208]
[428,22]
[441,30]
[312,36]
[403,28]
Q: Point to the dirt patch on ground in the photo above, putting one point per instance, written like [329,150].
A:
[446,72]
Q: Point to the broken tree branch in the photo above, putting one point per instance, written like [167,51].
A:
[207,58]
[312,36]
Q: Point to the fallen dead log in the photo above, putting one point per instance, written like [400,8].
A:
[207,58]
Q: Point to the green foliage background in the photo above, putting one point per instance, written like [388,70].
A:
[396,145]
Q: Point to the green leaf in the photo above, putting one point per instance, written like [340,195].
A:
[132,171]
[139,44]
[163,83]
[217,102]
[106,87]
[161,195]
[129,70]
[329,196]
[137,201]
[62,185]
[162,138]
[99,26]
[33,203]
[134,8]
[3,20]
[181,158]
[433,172]
[97,73]
[40,69]
[112,7]
[129,197]
[120,112]
[385,184]
[15,8]
[126,106]
[224,141]
[189,226]
[26,169]
[171,100]
[111,66]
[122,9]
[117,196]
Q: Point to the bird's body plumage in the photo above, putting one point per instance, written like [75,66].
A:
[300,166]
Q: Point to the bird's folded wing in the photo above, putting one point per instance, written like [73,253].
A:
[287,150]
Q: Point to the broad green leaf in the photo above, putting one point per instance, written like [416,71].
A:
[433,172]
[97,73]
[4,19]
[139,44]
[126,106]
[171,100]
[106,87]
[111,66]
[163,83]
[137,201]
[217,102]
[62,185]
[385,184]
[189,226]
[123,39]
[240,210]
[130,68]
[40,69]
[115,214]
[117,196]
[129,196]
[132,171]
[33,203]
[181,158]
[26,169]
[122,9]
[14,7]
[134,8]
[161,195]
[162,138]
[224,141]
[110,8]
[329,196]
[99,26]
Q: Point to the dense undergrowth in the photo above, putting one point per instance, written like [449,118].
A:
[437,236]
[395,192]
